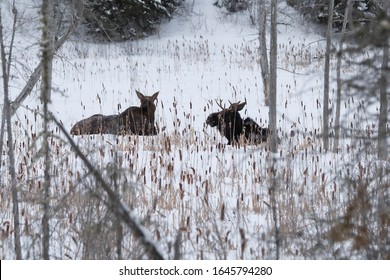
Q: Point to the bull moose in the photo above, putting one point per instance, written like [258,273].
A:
[232,126]
[134,120]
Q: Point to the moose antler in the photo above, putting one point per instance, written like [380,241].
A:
[220,104]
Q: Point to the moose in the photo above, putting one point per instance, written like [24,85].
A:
[134,120]
[232,126]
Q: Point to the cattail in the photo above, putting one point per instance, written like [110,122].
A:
[222,215]
[243,241]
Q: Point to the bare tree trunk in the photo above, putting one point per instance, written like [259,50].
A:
[383,99]
[2,131]
[265,75]
[339,84]
[269,77]
[46,60]
[273,77]
[8,71]
[7,115]
[272,123]
[325,113]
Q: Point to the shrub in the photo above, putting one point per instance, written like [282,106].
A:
[363,12]
[120,20]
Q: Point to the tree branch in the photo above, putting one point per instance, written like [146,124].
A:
[37,71]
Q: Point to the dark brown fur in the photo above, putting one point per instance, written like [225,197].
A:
[232,126]
[134,120]
[228,121]
[254,133]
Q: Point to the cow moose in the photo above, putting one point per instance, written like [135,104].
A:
[232,126]
[134,120]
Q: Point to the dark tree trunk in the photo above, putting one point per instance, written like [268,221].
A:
[325,114]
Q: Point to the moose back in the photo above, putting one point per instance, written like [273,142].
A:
[134,120]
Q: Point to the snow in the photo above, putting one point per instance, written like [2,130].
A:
[183,182]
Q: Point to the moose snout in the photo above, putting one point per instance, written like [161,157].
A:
[212,120]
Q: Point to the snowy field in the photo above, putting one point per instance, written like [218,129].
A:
[197,198]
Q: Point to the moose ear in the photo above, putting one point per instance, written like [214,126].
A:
[154,96]
[241,106]
[139,94]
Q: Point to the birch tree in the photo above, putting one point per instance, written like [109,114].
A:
[47,46]
[272,124]
[265,74]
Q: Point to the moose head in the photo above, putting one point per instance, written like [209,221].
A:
[134,120]
[140,120]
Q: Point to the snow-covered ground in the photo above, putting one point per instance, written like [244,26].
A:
[182,183]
